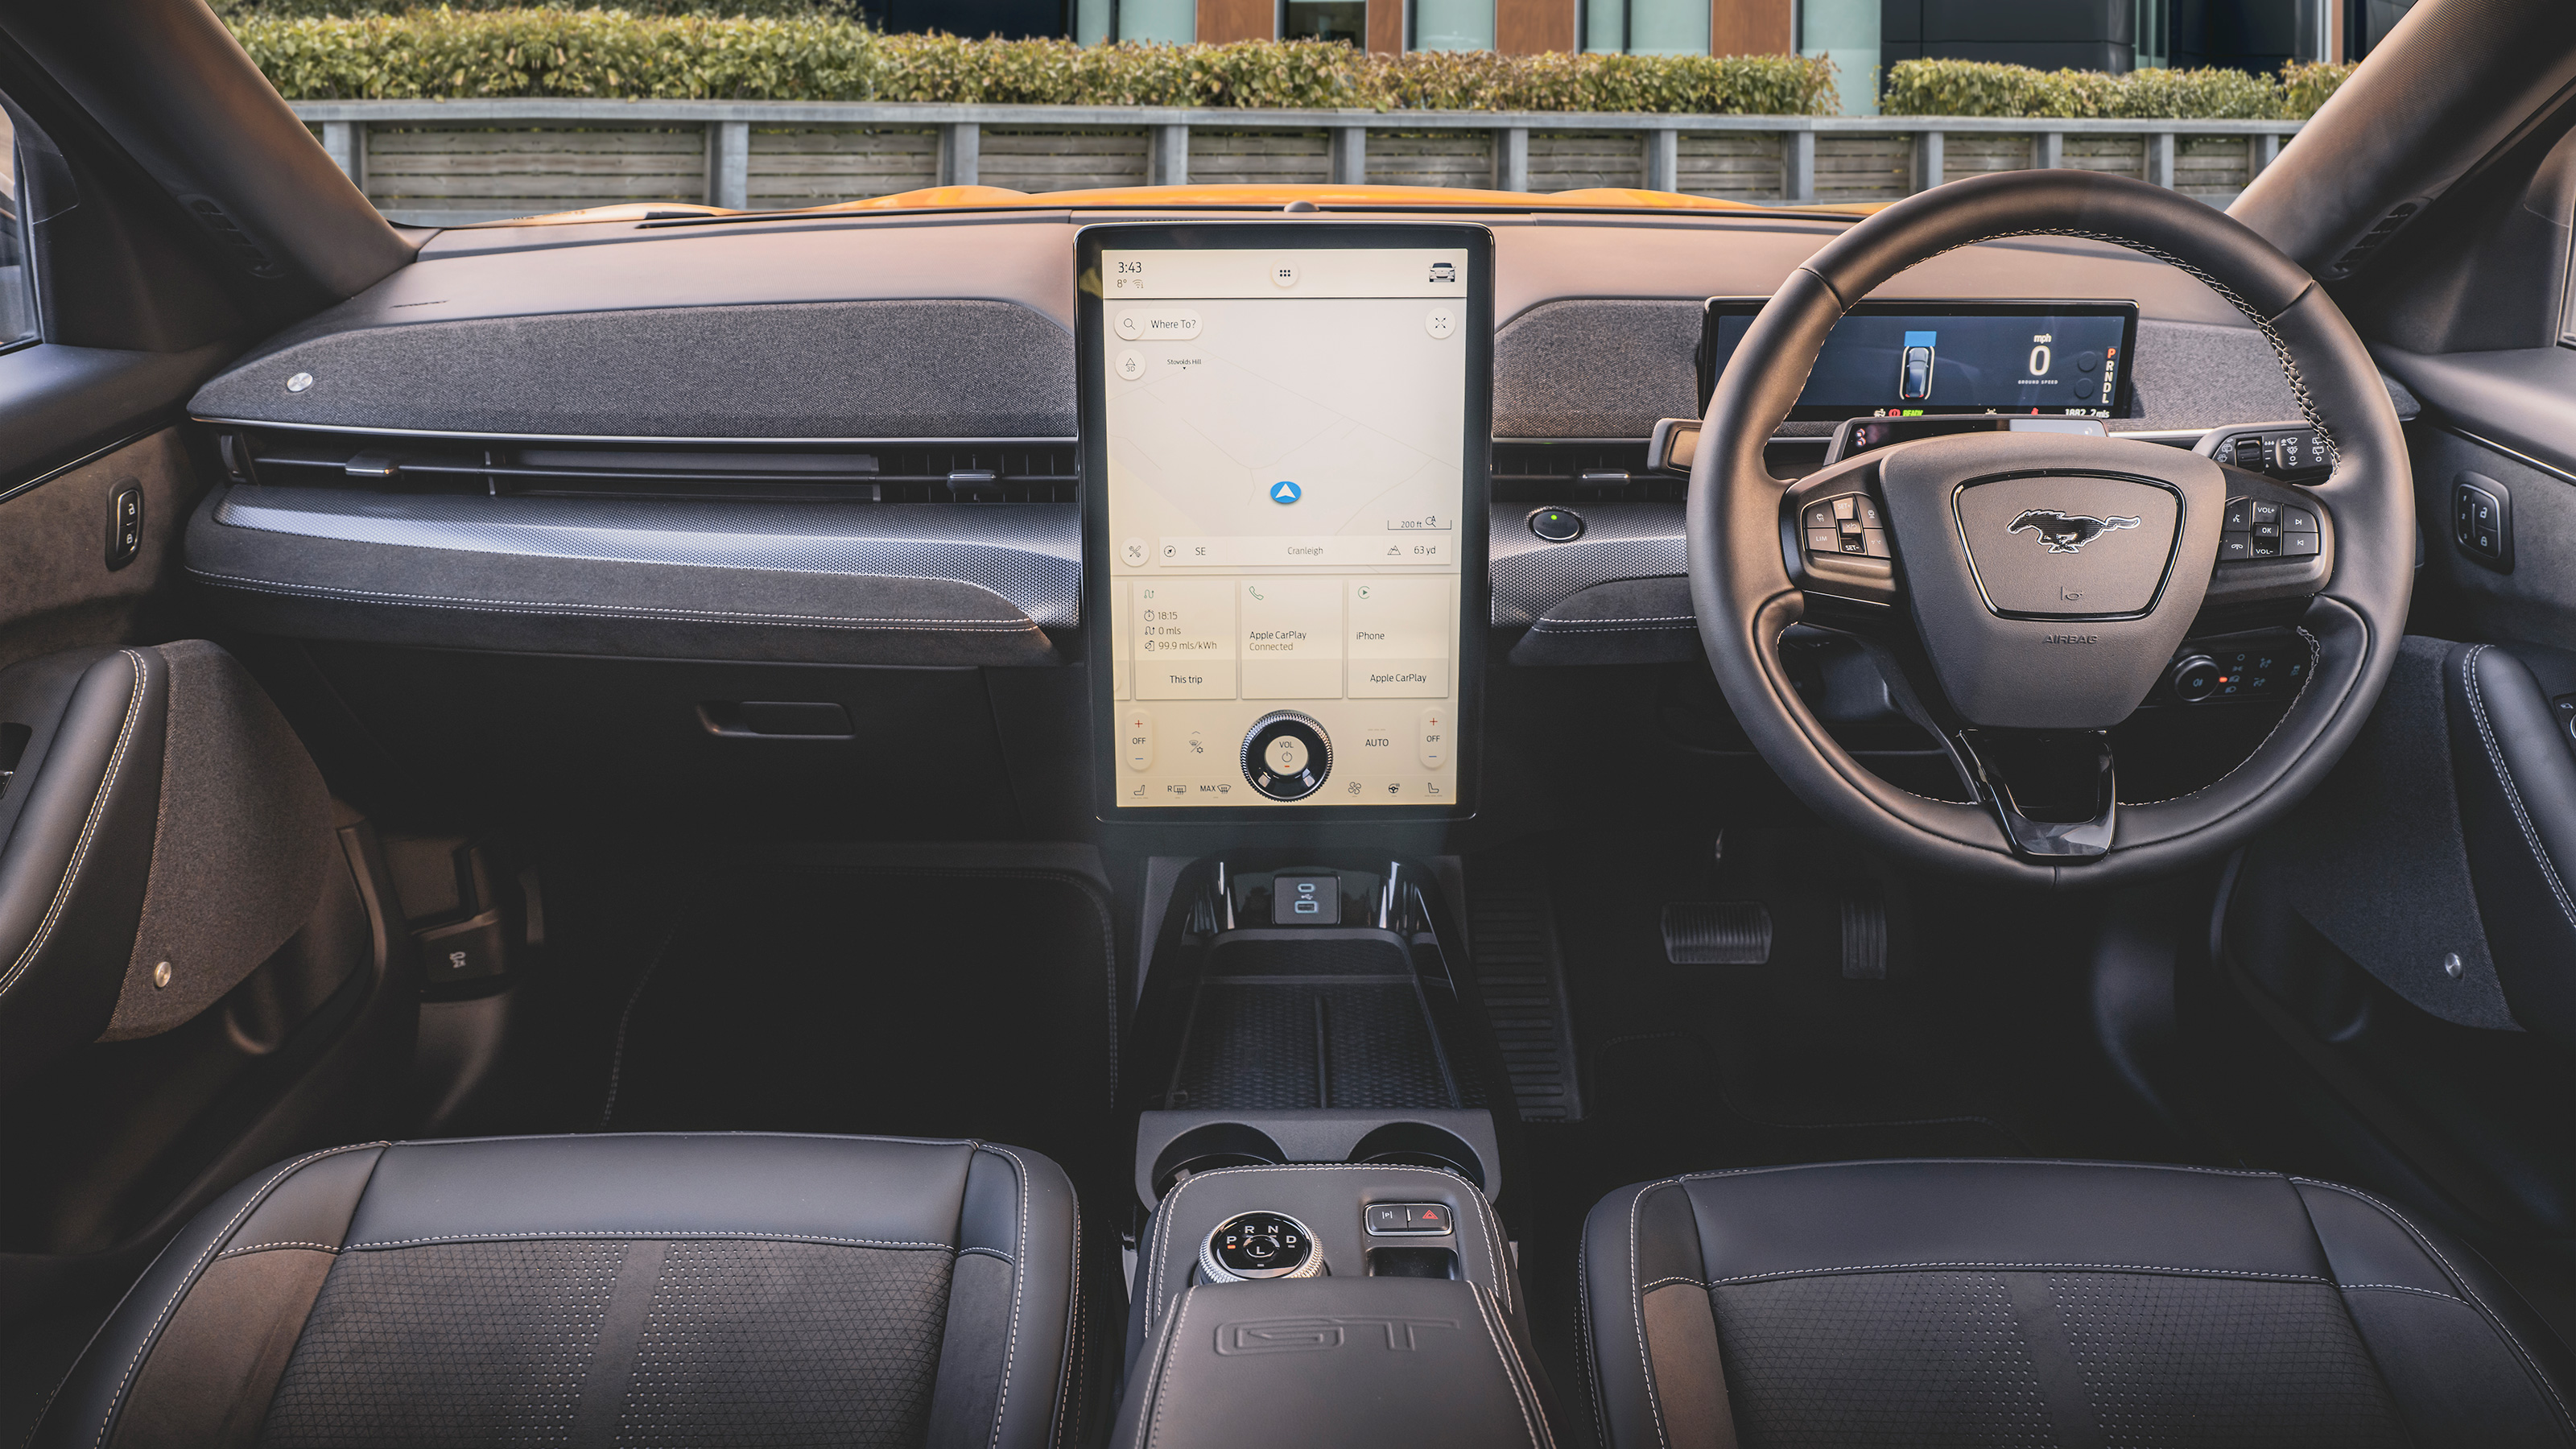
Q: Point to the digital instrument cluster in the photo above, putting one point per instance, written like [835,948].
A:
[1912,359]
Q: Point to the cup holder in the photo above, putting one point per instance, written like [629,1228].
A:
[1419,1144]
[1215,1145]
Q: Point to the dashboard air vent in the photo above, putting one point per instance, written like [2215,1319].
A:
[2359,255]
[1573,472]
[210,214]
[996,471]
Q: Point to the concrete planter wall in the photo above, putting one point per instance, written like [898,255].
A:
[449,162]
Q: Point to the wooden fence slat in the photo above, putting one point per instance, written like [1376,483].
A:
[1062,160]
[489,159]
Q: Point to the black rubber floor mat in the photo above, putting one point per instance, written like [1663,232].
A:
[1521,976]
[1272,1046]
[905,1002]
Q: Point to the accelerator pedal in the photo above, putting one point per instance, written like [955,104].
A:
[1717,933]
[1864,937]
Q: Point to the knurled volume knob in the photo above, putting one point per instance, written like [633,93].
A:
[1249,1247]
[1287,755]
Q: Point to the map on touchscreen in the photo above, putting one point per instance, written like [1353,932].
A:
[1285,436]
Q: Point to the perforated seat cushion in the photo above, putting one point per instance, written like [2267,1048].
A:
[614,1290]
[2036,1303]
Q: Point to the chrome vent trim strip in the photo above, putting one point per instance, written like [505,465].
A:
[647,439]
[1030,554]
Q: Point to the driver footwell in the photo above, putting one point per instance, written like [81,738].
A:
[1957,1032]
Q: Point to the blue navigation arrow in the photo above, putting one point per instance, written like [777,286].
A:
[1284,491]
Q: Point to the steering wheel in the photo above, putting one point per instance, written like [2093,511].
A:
[2032,587]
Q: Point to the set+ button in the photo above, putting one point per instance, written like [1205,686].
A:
[1849,524]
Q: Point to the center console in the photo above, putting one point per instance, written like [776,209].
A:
[1379,1308]
[1319,1258]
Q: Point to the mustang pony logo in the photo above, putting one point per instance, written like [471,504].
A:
[2066,532]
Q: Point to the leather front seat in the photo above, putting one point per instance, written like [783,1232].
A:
[2035,1303]
[736,1288]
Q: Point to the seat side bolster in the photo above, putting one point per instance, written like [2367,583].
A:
[85,1410]
[73,867]
[1011,1311]
[2459,1349]
[2517,788]
[1624,1411]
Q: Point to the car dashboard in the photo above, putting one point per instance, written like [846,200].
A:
[893,524]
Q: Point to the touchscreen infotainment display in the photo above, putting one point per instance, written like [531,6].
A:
[1283,495]
[1906,359]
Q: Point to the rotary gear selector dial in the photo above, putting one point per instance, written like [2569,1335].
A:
[1287,755]
[1252,1246]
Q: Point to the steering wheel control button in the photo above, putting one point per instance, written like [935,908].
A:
[1850,525]
[2195,679]
[1306,900]
[1287,756]
[1259,1245]
[1407,1219]
[2235,547]
[1556,525]
[2299,545]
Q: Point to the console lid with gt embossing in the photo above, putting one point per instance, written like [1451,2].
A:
[1358,1363]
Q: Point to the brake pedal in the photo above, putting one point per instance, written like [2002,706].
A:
[1717,933]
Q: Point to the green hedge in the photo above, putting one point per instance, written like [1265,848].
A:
[615,54]
[1982,88]
[799,50]
[323,9]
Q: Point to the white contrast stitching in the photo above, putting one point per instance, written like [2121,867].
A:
[187,1281]
[2504,777]
[1180,1316]
[732,1234]
[2406,1288]
[1019,1280]
[268,1247]
[1948,1161]
[89,831]
[2494,1320]
[994,1253]
[1637,1304]
[1511,1378]
[649,612]
[1668,1282]
[1583,1329]
[2250,1274]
